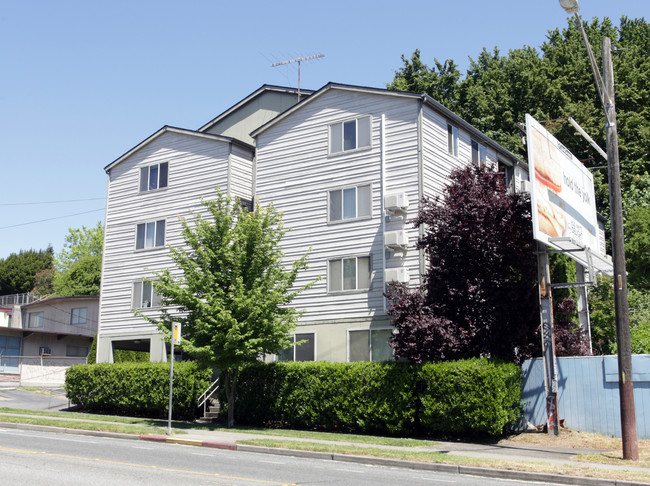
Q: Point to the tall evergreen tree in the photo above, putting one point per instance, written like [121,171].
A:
[18,271]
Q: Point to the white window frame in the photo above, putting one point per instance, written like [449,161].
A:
[362,139]
[159,228]
[359,206]
[139,298]
[342,261]
[76,315]
[146,177]
[479,153]
[293,348]
[452,140]
[38,316]
[369,331]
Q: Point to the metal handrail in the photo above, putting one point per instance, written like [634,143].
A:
[207,394]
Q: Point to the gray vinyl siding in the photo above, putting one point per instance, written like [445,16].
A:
[196,167]
[240,181]
[295,172]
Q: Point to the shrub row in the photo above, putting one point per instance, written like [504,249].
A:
[462,398]
[136,389]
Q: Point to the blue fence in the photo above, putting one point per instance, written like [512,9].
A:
[588,398]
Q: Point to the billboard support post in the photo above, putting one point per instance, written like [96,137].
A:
[548,339]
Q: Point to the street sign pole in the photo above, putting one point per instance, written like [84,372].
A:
[176,339]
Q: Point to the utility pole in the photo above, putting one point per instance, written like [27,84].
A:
[605,86]
[298,60]
[623,345]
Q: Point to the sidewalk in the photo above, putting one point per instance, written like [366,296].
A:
[539,458]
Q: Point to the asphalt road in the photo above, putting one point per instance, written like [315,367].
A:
[51,400]
[44,458]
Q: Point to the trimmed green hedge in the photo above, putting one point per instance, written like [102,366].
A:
[461,398]
[136,389]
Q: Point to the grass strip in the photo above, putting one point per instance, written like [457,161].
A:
[300,434]
[83,425]
[331,436]
[442,458]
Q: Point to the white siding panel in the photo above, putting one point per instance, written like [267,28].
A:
[295,173]
[196,167]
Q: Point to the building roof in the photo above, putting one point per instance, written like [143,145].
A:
[52,300]
[426,99]
[170,129]
[248,99]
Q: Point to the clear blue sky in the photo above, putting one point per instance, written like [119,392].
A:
[82,82]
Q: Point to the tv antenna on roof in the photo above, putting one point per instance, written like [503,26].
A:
[298,60]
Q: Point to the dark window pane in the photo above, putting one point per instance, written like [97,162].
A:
[144,178]
[350,203]
[334,276]
[139,237]
[364,201]
[153,177]
[349,274]
[160,233]
[305,352]
[336,206]
[359,346]
[363,131]
[336,138]
[150,235]
[137,295]
[164,167]
[350,135]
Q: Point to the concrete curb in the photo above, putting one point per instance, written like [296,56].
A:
[66,430]
[374,461]
[191,442]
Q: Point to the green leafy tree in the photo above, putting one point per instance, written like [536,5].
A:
[233,292]
[637,247]
[80,242]
[603,322]
[83,277]
[79,263]
[18,271]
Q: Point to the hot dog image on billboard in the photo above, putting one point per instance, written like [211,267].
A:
[562,190]
[548,182]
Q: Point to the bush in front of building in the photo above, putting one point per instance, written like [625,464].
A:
[350,397]
[475,397]
[136,389]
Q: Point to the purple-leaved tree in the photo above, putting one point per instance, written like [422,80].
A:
[479,295]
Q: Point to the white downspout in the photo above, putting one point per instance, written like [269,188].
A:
[382,174]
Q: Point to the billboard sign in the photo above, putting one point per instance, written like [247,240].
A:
[561,192]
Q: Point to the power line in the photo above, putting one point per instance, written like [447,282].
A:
[52,202]
[52,219]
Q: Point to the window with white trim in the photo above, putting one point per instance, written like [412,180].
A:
[150,235]
[370,345]
[350,135]
[144,295]
[154,177]
[79,315]
[350,273]
[452,140]
[35,319]
[479,153]
[301,352]
[350,203]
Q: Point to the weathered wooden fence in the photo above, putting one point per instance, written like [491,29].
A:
[588,393]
